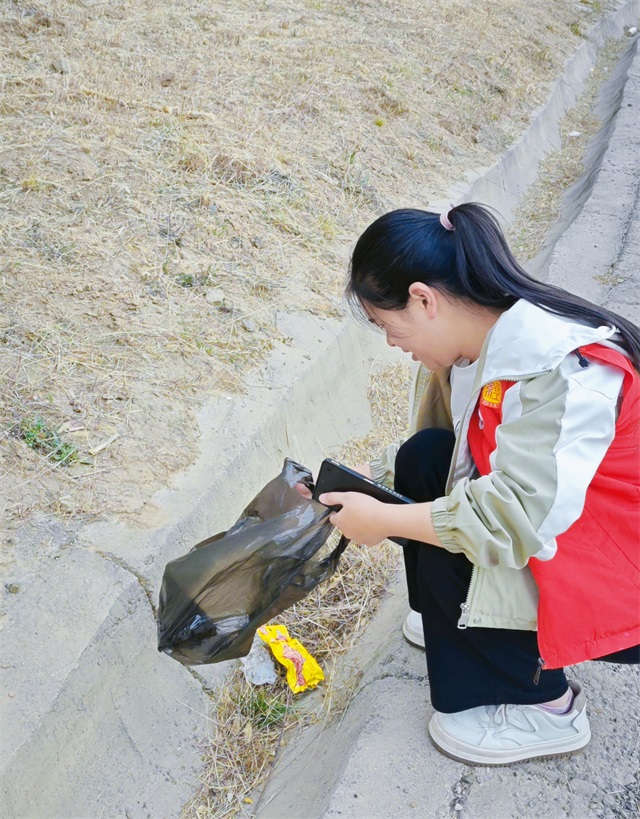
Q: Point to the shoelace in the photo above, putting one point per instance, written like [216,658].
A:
[499,715]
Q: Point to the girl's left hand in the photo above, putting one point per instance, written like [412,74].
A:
[362,518]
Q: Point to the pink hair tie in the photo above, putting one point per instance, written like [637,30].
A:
[444,220]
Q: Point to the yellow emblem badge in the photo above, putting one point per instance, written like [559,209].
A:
[492,394]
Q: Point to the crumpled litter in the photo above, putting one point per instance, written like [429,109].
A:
[302,669]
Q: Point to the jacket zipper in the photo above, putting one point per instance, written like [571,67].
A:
[465,607]
[464,617]
[539,669]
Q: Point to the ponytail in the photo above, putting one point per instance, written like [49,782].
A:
[466,256]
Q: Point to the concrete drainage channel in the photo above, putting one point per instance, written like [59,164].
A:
[95,721]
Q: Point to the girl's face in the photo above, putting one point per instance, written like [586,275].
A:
[423,328]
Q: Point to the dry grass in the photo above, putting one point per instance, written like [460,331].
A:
[172,175]
[246,730]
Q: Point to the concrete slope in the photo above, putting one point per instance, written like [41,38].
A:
[377,761]
[598,256]
[83,696]
[95,721]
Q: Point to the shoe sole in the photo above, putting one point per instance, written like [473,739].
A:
[469,754]
[412,639]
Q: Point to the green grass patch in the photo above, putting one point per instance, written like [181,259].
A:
[264,709]
[37,435]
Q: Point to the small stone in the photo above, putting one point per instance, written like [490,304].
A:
[575,133]
[11,694]
[457,806]
[258,666]
[249,325]
[166,78]
[632,30]
[215,296]
[12,588]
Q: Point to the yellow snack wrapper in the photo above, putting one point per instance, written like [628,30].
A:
[302,670]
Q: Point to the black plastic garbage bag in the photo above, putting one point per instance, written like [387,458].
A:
[214,598]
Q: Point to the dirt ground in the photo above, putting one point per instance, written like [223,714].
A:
[172,175]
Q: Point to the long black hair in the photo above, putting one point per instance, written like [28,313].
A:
[472,262]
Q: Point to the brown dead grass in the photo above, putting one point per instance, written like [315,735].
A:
[171,175]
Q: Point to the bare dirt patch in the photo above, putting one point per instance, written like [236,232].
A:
[172,175]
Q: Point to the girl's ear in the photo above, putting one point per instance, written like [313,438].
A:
[428,296]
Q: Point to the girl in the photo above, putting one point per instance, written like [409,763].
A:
[522,549]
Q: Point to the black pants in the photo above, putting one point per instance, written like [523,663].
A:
[473,666]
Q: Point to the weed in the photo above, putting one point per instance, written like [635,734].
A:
[609,279]
[327,227]
[265,709]
[37,435]
[575,28]
[32,183]
[436,144]
[543,56]
[464,90]
[351,158]
[186,280]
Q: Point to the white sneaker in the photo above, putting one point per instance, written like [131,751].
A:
[500,734]
[412,629]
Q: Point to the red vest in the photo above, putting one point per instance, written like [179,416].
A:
[590,590]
